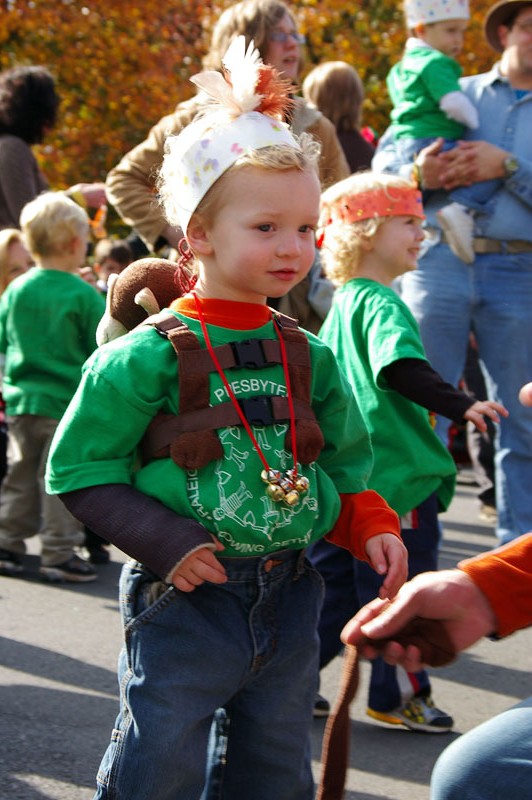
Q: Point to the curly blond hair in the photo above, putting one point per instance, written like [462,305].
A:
[342,242]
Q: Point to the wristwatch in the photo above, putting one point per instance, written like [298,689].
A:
[510,166]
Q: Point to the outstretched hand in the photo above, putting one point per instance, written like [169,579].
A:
[199,567]
[485,408]
[449,613]
[93,193]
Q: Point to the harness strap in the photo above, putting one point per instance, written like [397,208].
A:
[248,354]
[262,410]
[190,437]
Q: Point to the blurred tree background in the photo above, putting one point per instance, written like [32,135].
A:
[121,64]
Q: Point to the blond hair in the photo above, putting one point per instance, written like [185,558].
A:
[336,90]
[343,242]
[50,222]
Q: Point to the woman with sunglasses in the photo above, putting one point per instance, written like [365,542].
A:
[273,28]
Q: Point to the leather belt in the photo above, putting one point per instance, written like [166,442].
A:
[511,246]
[508,246]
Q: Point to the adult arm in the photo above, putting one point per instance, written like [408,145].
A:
[472,161]
[20,177]
[131,184]
[491,593]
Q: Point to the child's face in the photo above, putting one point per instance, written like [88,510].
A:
[448,36]
[108,266]
[260,242]
[18,260]
[395,246]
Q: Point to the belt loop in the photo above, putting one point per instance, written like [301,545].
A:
[300,564]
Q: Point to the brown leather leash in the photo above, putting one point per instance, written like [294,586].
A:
[437,650]
[336,737]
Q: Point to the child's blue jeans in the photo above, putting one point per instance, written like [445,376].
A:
[249,646]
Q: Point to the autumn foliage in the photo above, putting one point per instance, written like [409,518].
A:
[120,65]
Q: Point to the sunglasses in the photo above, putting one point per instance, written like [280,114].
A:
[281,36]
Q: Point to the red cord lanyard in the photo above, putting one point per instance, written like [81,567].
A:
[286,485]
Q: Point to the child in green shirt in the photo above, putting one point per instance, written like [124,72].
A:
[266,453]
[428,103]
[48,321]
[370,233]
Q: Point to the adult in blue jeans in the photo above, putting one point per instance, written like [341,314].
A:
[492,296]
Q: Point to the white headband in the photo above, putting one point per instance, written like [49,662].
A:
[230,127]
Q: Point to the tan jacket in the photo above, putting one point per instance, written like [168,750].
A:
[131,184]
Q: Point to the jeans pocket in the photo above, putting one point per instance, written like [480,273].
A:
[142,594]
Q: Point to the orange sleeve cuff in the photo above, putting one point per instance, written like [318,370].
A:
[362,516]
[504,576]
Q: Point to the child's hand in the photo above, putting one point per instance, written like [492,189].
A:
[485,408]
[388,556]
[200,566]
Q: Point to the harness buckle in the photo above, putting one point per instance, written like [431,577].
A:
[257,410]
[249,354]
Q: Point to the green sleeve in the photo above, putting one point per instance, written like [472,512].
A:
[123,385]
[347,456]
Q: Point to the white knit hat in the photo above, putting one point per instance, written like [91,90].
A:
[234,124]
[423,12]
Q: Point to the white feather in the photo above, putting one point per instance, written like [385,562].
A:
[243,65]
[239,96]
[213,84]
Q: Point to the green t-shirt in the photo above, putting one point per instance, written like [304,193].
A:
[416,84]
[126,382]
[368,328]
[48,322]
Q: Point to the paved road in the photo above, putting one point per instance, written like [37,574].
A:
[58,693]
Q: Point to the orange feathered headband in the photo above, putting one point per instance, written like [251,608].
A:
[396,201]
[391,202]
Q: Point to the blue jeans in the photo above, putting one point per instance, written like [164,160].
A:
[492,297]
[489,762]
[350,584]
[249,646]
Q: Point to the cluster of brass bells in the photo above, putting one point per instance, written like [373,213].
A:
[286,486]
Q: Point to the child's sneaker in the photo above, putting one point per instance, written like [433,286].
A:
[75,570]
[457,224]
[418,714]
[10,563]
[322,707]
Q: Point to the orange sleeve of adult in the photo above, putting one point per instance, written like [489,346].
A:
[504,575]
[362,516]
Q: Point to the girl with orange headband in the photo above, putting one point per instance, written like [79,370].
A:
[370,233]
